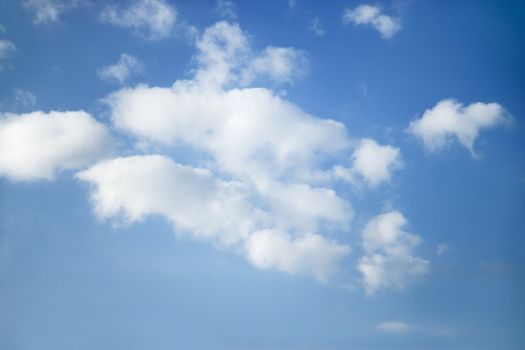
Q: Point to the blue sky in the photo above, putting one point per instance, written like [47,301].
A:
[262,175]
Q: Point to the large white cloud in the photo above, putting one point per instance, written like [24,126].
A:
[371,15]
[450,120]
[199,204]
[248,132]
[265,164]
[191,198]
[37,145]
[263,181]
[151,19]
[389,261]
[242,137]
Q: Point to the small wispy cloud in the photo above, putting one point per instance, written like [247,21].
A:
[121,71]
[226,9]
[150,19]
[24,98]
[394,327]
[398,327]
[46,12]
[370,15]
[7,48]
[442,248]
[316,27]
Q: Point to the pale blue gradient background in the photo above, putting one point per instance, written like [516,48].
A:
[68,281]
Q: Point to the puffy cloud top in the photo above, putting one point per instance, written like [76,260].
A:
[450,120]
[38,144]
[389,261]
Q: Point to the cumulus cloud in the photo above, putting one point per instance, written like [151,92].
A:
[262,170]
[389,261]
[49,11]
[193,199]
[121,71]
[7,48]
[449,120]
[372,162]
[150,19]
[261,181]
[225,58]
[394,327]
[370,15]
[229,124]
[199,204]
[309,253]
[37,145]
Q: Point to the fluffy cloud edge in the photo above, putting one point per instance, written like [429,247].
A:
[37,145]
[208,209]
[450,120]
[122,70]
[150,19]
[389,261]
[370,15]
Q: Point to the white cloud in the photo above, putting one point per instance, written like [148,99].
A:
[316,27]
[394,327]
[389,262]
[121,71]
[264,167]
[37,145]
[24,98]
[303,208]
[192,199]
[7,48]
[49,11]
[242,138]
[207,208]
[226,8]
[263,181]
[442,248]
[225,58]
[202,114]
[281,64]
[309,253]
[372,162]
[151,19]
[450,120]
[372,16]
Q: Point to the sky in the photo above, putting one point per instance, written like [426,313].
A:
[250,175]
